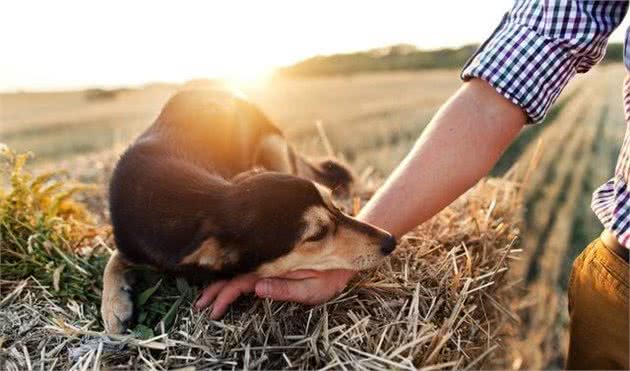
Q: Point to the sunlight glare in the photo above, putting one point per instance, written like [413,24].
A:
[246,76]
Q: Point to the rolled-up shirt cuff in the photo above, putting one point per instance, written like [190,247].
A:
[525,67]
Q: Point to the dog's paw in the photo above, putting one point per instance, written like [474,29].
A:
[117,310]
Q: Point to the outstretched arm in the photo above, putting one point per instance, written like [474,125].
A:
[460,146]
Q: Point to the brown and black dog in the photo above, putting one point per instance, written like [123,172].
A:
[189,198]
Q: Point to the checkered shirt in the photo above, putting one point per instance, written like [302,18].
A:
[532,55]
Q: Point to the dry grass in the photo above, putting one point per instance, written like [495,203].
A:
[442,301]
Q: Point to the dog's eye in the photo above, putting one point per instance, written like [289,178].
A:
[323,231]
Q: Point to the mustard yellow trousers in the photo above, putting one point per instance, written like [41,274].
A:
[598,307]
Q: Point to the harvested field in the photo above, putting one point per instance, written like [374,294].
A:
[371,119]
[461,291]
[575,153]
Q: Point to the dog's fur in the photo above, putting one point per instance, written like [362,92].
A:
[212,189]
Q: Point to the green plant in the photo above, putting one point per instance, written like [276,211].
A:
[45,233]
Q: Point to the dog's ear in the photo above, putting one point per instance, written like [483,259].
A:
[334,174]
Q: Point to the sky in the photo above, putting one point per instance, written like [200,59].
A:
[61,44]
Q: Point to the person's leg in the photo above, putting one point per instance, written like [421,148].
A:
[598,307]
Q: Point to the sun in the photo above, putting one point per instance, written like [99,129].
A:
[247,76]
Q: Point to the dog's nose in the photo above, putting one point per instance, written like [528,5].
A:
[388,245]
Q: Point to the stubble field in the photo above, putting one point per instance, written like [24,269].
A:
[372,121]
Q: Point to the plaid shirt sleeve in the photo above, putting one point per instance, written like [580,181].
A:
[540,45]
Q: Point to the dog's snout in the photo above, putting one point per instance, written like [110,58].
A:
[388,245]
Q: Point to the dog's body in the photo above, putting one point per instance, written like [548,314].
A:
[186,198]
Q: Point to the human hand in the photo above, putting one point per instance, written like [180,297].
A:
[223,293]
[305,286]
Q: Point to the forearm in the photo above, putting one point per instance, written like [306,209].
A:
[460,146]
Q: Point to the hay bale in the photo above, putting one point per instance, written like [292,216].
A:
[441,301]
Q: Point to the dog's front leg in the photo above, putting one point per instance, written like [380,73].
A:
[117,301]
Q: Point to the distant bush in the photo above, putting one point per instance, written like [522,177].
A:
[392,58]
[399,57]
[104,94]
[614,53]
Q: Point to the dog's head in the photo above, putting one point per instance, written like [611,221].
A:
[279,223]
